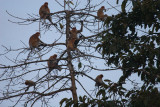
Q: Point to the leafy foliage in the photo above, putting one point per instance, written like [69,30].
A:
[145,98]
[126,46]
[106,96]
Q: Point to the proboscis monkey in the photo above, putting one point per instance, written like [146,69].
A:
[74,31]
[52,63]
[73,38]
[44,12]
[34,40]
[99,80]
[100,13]
[35,43]
[29,83]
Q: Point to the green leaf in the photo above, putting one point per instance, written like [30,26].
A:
[101,92]
[80,99]
[62,101]
[69,102]
[117,1]
[79,65]
[61,26]
[123,6]
[124,100]
[84,98]
[107,80]
[98,47]
[71,2]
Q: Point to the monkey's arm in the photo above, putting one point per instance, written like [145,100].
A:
[41,43]
[81,27]
[77,41]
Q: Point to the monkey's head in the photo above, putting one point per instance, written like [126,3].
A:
[103,7]
[26,82]
[54,56]
[101,75]
[46,4]
[74,29]
[37,34]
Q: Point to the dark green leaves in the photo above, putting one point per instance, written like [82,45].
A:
[132,40]
[123,6]
[79,65]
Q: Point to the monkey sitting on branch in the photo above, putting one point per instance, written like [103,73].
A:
[100,13]
[53,63]
[99,81]
[29,83]
[35,42]
[73,39]
[44,13]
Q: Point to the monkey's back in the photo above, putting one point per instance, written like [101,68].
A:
[34,41]
[43,11]
[100,13]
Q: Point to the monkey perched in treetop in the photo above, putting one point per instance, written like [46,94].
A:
[44,12]
[74,31]
[35,42]
[100,13]
[52,63]
[99,80]
[29,83]
[73,39]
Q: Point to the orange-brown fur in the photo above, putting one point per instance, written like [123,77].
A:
[34,40]
[44,11]
[74,33]
[100,13]
[99,80]
[73,37]
[30,83]
[52,63]
[70,44]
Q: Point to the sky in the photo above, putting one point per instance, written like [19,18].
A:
[12,35]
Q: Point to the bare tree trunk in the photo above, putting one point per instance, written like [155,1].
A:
[74,92]
[70,66]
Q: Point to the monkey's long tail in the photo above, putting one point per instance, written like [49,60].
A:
[50,20]
[40,26]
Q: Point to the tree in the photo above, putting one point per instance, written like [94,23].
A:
[31,62]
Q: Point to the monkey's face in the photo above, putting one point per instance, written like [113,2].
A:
[46,4]
[74,29]
[26,82]
[101,76]
[103,8]
[37,34]
[54,56]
